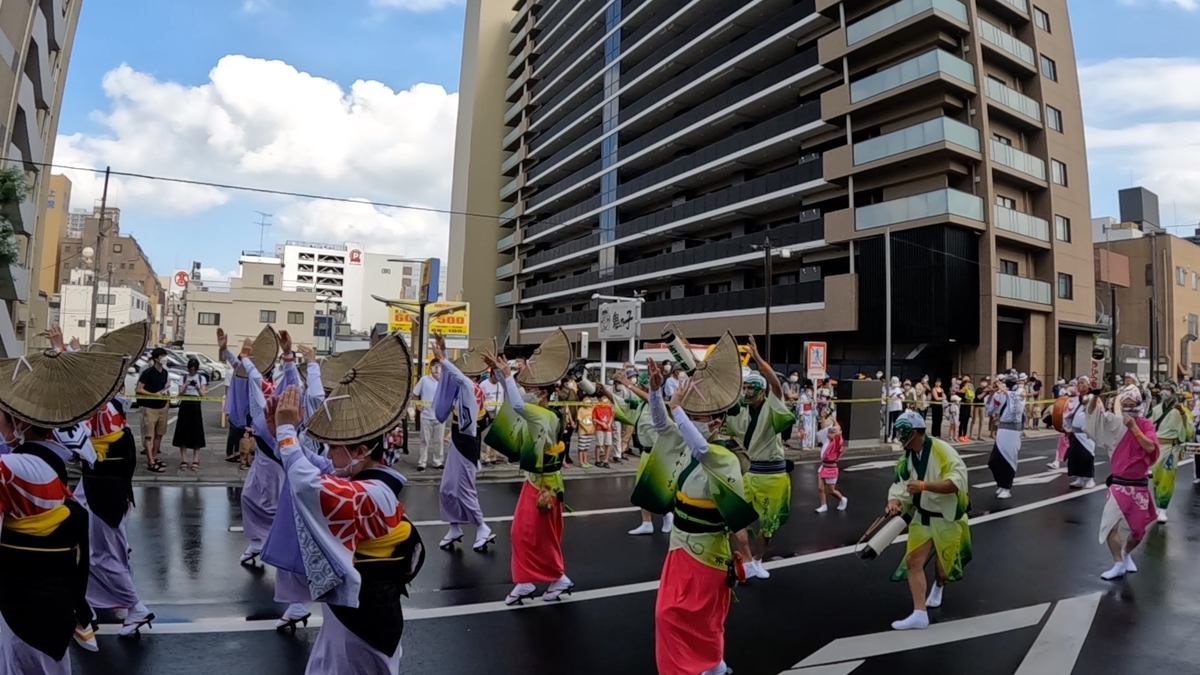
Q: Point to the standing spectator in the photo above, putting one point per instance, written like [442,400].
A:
[602,418]
[791,391]
[586,427]
[922,396]
[153,382]
[493,399]
[938,397]
[1059,388]
[433,432]
[975,430]
[967,393]
[1034,410]
[189,429]
[895,406]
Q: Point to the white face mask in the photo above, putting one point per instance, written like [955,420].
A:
[794,378]
[351,468]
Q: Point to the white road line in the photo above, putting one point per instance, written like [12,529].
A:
[891,463]
[240,624]
[830,669]
[1035,458]
[1057,647]
[566,514]
[876,644]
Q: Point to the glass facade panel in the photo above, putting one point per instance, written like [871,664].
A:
[1022,223]
[996,36]
[1016,159]
[1011,98]
[1019,288]
[910,71]
[893,14]
[932,131]
[916,207]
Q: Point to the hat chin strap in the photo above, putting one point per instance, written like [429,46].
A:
[17,366]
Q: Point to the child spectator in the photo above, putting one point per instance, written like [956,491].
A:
[602,419]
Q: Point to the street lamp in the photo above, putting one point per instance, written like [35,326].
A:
[768,252]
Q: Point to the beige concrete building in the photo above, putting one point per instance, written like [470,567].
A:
[655,148]
[257,297]
[35,44]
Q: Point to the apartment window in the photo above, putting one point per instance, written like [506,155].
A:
[1058,172]
[385,270]
[1193,324]
[1066,286]
[1041,19]
[132,266]
[1054,118]
[296,318]
[1008,267]
[1049,68]
[268,280]
[117,248]
[1062,228]
[407,271]
[208,319]
[106,299]
[1195,281]
[266,316]
[122,265]
[1003,140]
[1149,275]
[1007,202]
[1180,276]
[83,323]
[101,323]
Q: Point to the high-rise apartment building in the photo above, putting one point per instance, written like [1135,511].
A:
[654,148]
[35,45]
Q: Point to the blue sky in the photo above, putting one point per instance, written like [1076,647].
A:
[153,88]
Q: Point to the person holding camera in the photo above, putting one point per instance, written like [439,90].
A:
[189,429]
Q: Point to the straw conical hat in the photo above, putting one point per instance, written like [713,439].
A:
[549,362]
[336,366]
[471,362]
[369,400]
[266,350]
[718,379]
[130,340]
[53,390]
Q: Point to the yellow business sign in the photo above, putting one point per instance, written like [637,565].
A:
[453,324]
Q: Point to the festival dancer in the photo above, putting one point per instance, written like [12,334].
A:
[458,499]
[1172,426]
[281,547]
[1129,507]
[1064,438]
[44,550]
[701,482]
[832,443]
[757,426]
[245,401]
[537,524]
[1081,448]
[360,551]
[930,484]
[639,420]
[1009,407]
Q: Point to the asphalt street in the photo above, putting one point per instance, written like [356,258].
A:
[1032,602]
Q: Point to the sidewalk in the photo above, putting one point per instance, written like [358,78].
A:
[215,471]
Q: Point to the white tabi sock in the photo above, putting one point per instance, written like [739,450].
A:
[1118,570]
[1130,567]
[918,620]
[935,597]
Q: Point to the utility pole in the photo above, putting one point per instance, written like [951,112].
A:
[262,233]
[887,309]
[96,259]
[767,303]
[1154,351]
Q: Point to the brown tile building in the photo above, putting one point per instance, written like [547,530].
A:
[118,254]
[652,147]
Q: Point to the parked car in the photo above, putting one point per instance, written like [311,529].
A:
[175,378]
[213,370]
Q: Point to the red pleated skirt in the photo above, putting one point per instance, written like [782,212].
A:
[536,539]
[689,616]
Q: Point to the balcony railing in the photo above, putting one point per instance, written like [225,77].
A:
[996,36]
[580,318]
[910,71]
[1022,223]
[1022,5]
[901,11]
[1018,160]
[505,270]
[1013,99]
[926,133]
[937,203]
[506,242]
[504,298]
[1020,288]
[791,294]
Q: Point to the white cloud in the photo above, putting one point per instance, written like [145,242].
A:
[255,6]
[214,274]
[264,124]
[1143,128]
[429,5]
[1182,4]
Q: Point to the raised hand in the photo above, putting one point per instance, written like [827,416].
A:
[285,342]
[309,354]
[55,335]
[753,345]
[287,408]
[439,346]
[222,340]
[681,392]
[656,374]
[75,344]
[247,347]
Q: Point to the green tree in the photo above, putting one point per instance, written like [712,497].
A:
[13,191]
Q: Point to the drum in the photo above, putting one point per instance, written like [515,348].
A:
[1060,410]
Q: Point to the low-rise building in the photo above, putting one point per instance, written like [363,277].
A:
[257,297]
[116,307]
